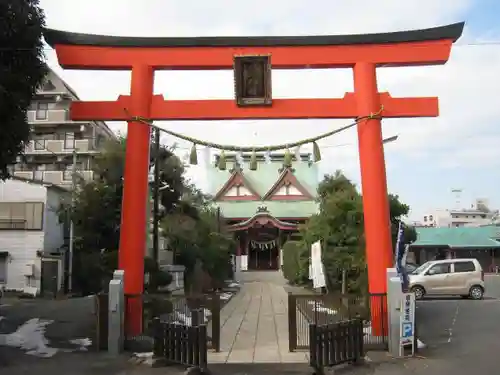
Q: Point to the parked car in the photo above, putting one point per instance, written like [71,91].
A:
[463,277]
[410,267]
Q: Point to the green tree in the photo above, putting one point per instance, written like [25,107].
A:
[22,70]
[339,224]
[97,216]
[197,235]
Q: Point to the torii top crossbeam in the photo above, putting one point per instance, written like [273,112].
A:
[407,48]
[184,53]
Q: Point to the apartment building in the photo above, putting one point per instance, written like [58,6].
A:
[478,215]
[48,156]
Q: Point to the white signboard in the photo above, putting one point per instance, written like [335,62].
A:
[244,262]
[407,322]
[318,276]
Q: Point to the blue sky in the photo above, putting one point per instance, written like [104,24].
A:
[457,150]
[482,18]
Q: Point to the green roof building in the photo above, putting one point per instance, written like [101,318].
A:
[482,243]
[264,207]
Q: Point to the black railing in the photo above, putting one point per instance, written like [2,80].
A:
[180,344]
[335,344]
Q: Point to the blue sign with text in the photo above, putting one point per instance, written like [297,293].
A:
[407,330]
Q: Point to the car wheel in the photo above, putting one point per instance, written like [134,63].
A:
[418,291]
[476,292]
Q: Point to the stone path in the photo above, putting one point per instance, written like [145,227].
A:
[254,324]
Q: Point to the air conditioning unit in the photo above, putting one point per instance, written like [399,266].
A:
[29,270]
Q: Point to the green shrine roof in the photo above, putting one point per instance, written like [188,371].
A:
[462,237]
[262,180]
[279,209]
[265,176]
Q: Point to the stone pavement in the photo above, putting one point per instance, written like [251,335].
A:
[254,324]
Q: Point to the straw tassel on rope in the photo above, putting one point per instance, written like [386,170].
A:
[193,156]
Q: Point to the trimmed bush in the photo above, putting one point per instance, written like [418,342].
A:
[292,262]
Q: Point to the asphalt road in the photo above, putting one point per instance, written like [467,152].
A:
[462,335]
[70,319]
[44,328]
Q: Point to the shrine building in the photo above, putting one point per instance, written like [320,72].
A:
[263,207]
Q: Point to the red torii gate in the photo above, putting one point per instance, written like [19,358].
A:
[362,53]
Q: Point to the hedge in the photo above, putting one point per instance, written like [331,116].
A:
[292,262]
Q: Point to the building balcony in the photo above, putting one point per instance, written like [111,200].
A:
[467,219]
[51,116]
[61,178]
[47,147]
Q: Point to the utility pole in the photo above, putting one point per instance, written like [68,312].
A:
[218,219]
[71,226]
[156,195]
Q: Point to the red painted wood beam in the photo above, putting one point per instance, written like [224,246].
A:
[163,110]
[283,57]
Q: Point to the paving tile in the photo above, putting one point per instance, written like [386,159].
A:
[254,324]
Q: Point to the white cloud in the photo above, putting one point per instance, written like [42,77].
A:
[464,134]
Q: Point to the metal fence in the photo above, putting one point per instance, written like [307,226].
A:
[335,344]
[324,309]
[180,344]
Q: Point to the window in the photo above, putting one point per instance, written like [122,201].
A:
[22,167]
[21,215]
[420,269]
[431,217]
[439,269]
[69,140]
[3,269]
[464,267]
[425,218]
[42,111]
[40,140]
[39,143]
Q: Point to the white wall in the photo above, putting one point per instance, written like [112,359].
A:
[22,245]
[54,231]
[20,191]
[454,218]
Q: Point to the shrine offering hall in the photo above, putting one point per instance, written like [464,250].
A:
[263,207]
